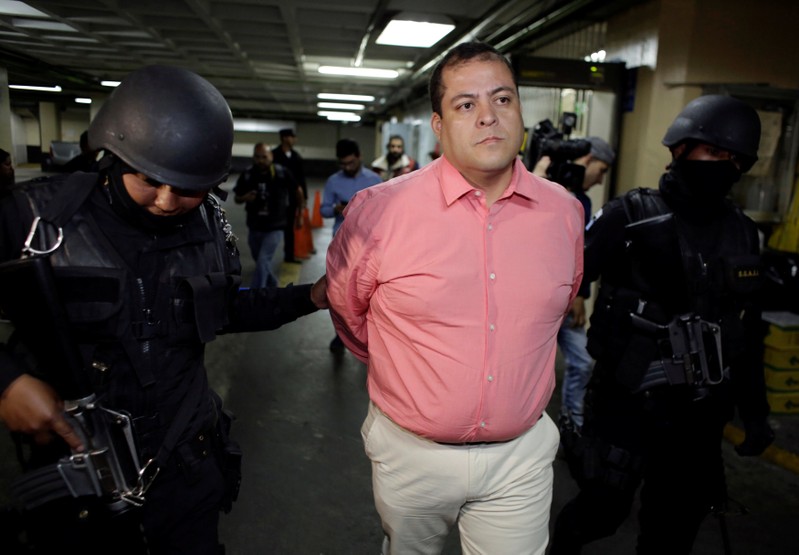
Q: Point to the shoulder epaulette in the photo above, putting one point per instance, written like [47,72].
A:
[643,203]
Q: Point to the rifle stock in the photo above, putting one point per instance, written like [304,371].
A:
[29,298]
[110,466]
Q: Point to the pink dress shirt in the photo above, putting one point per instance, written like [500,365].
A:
[454,306]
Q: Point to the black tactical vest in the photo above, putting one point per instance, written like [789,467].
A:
[672,271]
[141,336]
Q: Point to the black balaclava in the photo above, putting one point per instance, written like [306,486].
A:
[128,209]
[698,186]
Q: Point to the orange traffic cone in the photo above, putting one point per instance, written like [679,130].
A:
[300,241]
[317,212]
[306,225]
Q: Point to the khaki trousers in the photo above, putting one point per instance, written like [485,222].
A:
[499,494]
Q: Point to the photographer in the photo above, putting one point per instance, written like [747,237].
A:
[271,195]
[571,336]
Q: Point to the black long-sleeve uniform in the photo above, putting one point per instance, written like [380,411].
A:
[144,295]
[678,259]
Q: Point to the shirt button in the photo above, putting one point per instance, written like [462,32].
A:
[490,378]
[490,227]
[477,193]
[492,275]
[482,424]
[491,327]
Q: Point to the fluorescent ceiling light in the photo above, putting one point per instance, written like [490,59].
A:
[339,116]
[413,30]
[340,106]
[260,125]
[35,88]
[354,97]
[82,100]
[359,72]
[12,7]
[110,83]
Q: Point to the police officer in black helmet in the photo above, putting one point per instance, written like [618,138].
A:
[148,273]
[677,337]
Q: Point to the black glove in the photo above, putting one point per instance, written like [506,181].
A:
[759,435]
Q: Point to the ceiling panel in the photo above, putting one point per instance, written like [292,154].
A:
[262,54]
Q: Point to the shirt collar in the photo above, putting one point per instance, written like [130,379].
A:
[454,186]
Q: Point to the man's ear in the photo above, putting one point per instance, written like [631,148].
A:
[435,124]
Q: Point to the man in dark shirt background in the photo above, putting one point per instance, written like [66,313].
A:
[286,156]
[270,193]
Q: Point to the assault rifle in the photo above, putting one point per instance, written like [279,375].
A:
[691,352]
[109,467]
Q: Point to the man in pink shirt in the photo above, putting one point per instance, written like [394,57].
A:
[451,283]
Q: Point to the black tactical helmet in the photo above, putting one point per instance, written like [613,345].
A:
[170,124]
[721,121]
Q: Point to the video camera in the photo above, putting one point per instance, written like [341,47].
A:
[546,140]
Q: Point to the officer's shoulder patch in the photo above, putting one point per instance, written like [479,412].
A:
[595,217]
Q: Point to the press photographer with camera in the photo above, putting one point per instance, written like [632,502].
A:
[578,165]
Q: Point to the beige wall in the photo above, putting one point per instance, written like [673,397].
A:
[74,122]
[49,125]
[5,113]
[738,41]
[699,42]
[315,141]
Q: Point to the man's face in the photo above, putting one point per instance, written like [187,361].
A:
[595,171]
[480,127]
[161,199]
[350,165]
[396,147]
[288,141]
[262,157]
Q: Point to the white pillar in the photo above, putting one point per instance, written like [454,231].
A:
[49,125]
[5,113]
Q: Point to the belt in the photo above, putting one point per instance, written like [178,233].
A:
[475,443]
[472,443]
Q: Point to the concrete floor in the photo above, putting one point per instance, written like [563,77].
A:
[306,488]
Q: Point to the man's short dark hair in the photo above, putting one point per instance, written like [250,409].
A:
[286,133]
[395,138]
[347,147]
[464,52]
